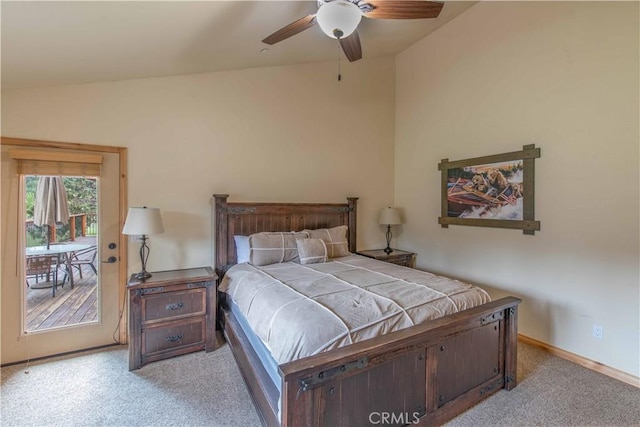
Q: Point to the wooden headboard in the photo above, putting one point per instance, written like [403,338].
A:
[244,219]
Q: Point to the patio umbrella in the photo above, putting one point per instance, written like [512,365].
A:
[51,205]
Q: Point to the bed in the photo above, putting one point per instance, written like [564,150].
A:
[424,374]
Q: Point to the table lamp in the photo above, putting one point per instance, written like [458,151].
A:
[389,216]
[143,222]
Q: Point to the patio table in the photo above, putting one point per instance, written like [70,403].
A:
[63,253]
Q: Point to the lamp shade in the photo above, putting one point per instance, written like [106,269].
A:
[390,216]
[338,18]
[143,221]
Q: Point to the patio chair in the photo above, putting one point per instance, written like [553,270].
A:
[38,267]
[85,257]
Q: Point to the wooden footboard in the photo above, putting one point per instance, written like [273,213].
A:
[421,375]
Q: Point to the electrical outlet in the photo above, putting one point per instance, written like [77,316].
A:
[597,331]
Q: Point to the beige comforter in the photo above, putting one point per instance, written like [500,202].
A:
[301,310]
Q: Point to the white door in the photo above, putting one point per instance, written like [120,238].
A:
[18,342]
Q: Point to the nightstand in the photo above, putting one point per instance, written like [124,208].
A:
[171,313]
[396,257]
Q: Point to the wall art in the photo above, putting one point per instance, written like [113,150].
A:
[490,191]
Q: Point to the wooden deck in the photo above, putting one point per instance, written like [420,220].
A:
[68,307]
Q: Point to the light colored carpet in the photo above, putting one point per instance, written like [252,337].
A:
[206,389]
[554,392]
[97,389]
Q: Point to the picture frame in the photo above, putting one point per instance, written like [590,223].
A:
[490,191]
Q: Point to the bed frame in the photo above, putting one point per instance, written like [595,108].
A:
[424,375]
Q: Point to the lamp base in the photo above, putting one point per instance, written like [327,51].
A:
[144,256]
[388,249]
[142,275]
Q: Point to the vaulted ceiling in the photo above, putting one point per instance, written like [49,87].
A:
[47,43]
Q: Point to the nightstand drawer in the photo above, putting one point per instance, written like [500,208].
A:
[400,260]
[398,257]
[169,337]
[174,304]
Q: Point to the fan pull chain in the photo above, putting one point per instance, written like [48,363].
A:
[339,57]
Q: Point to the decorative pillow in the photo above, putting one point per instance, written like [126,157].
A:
[272,248]
[335,238]
[242,248]
[312,251]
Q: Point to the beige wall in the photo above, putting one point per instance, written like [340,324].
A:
[563,76]
[272,134]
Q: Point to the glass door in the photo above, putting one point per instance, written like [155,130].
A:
[36,321]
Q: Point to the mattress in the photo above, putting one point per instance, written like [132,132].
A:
[300,310]
[269,364]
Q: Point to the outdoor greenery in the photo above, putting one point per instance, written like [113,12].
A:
[82,199]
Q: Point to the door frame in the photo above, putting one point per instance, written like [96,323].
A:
[122,211]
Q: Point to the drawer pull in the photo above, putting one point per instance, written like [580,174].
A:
[176,306]
[173,338]
[197,285]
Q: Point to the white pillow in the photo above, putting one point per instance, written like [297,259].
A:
[242,248]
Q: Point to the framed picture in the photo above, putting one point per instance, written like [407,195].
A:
[490,191]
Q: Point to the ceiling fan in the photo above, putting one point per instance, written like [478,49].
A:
[339,19]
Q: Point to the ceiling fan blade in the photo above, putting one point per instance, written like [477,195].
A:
[402,9]
[351,46]
[291,29]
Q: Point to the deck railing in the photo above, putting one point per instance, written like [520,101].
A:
[84,224]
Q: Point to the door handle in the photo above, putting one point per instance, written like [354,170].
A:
[110,260]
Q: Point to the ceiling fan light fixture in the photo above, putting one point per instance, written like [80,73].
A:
[338,18]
